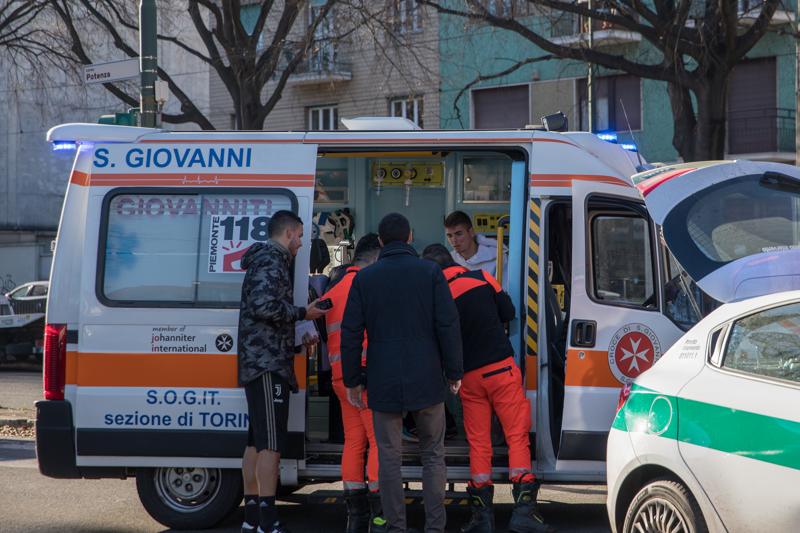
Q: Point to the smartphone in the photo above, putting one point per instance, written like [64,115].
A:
[325,304]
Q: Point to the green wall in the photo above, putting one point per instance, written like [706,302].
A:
[469,49]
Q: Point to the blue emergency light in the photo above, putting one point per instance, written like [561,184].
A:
[608,136]
[64,145]
[629,146]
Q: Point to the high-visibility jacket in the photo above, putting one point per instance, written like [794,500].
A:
[483,307]
[333,321]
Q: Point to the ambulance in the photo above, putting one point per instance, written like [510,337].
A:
[140,373]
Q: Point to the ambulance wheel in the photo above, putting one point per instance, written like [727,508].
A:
[189,498]
[664,506]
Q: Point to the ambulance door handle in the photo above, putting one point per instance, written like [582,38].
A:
[584,333]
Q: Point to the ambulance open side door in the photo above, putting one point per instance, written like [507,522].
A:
[153,380]
[616,330]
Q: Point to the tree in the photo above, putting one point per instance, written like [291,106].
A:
[16,28]
[692,45]
[253,63]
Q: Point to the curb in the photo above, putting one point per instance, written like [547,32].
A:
[17,422]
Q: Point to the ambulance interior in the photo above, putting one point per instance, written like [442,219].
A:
[353,192]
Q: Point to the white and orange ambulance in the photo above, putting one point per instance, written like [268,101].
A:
[140,359]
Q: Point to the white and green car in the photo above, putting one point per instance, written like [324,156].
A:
[709,438]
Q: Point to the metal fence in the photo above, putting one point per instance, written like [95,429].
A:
[761,130]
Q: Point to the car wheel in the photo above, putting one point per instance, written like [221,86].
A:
[189,498]
[664,506]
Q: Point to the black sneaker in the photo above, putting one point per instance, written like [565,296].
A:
[277,527]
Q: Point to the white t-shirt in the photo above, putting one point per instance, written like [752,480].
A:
[485,258]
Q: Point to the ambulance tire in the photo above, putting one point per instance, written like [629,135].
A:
[662,502]
[211,495]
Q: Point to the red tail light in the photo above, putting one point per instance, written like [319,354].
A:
[55,361]
[624,394]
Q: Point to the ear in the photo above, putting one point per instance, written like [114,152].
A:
[410,237]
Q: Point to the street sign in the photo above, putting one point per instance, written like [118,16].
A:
[111,71]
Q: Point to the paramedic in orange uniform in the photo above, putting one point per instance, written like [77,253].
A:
[492,383]
[363,500]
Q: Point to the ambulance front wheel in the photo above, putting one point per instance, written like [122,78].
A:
[189,498]
[667,506]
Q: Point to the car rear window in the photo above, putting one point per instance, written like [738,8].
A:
[745,217]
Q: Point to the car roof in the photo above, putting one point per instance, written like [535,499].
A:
[736,308]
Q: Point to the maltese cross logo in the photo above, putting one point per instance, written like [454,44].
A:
[633,349]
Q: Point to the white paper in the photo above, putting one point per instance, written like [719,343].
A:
[303,327]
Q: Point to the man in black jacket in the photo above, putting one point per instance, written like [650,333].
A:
[405,306]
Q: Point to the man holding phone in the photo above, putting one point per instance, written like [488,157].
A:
[267,319]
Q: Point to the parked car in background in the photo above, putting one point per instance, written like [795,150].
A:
[22,311]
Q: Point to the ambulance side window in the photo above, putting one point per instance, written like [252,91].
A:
[180,248]
[766,344]
[622,259]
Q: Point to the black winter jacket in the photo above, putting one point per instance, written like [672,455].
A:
[483,307]
[267,315]
[405,306]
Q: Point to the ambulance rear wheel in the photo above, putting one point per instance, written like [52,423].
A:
[664,506]
[189,498]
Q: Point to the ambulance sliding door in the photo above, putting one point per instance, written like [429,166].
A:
[154,380]
[615,330]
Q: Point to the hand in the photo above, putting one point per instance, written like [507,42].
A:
[455,386]
[354,395]
[313,312]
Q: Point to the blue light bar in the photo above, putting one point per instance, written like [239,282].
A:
[64,145]
[608,136]
[630,147]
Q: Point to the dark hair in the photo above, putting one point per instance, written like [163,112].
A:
[457,218]
[280,221]
[439,255]
[368,244]
[394,227]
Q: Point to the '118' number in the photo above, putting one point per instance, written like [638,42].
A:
[259,232]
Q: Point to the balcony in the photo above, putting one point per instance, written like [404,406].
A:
[749,10]
[762,134]
[323,65]
[573,30]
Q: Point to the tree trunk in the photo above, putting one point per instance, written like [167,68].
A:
[250,107]
[685,123]
[712,106]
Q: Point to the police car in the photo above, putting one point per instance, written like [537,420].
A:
[709,438]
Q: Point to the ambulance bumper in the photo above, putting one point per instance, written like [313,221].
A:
[55,439]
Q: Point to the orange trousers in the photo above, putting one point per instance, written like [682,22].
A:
[496,387]
[358,434]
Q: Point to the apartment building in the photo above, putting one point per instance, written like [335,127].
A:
[385,67]
[762,106]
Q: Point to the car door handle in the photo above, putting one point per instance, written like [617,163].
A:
[584,333]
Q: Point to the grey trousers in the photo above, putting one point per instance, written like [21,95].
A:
[389,438]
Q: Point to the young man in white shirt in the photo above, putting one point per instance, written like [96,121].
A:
[471,250]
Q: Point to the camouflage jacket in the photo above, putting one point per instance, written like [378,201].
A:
[267,314]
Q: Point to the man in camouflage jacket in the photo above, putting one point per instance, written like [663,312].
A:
[267,320]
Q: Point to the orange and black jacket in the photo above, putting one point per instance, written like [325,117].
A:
[483,308]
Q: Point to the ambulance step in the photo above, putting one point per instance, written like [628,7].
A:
[413,497]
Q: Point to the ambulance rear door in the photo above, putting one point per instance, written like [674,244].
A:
[616,329]
[154,379]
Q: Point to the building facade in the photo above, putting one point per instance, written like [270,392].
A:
[385,67]
[761,105]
